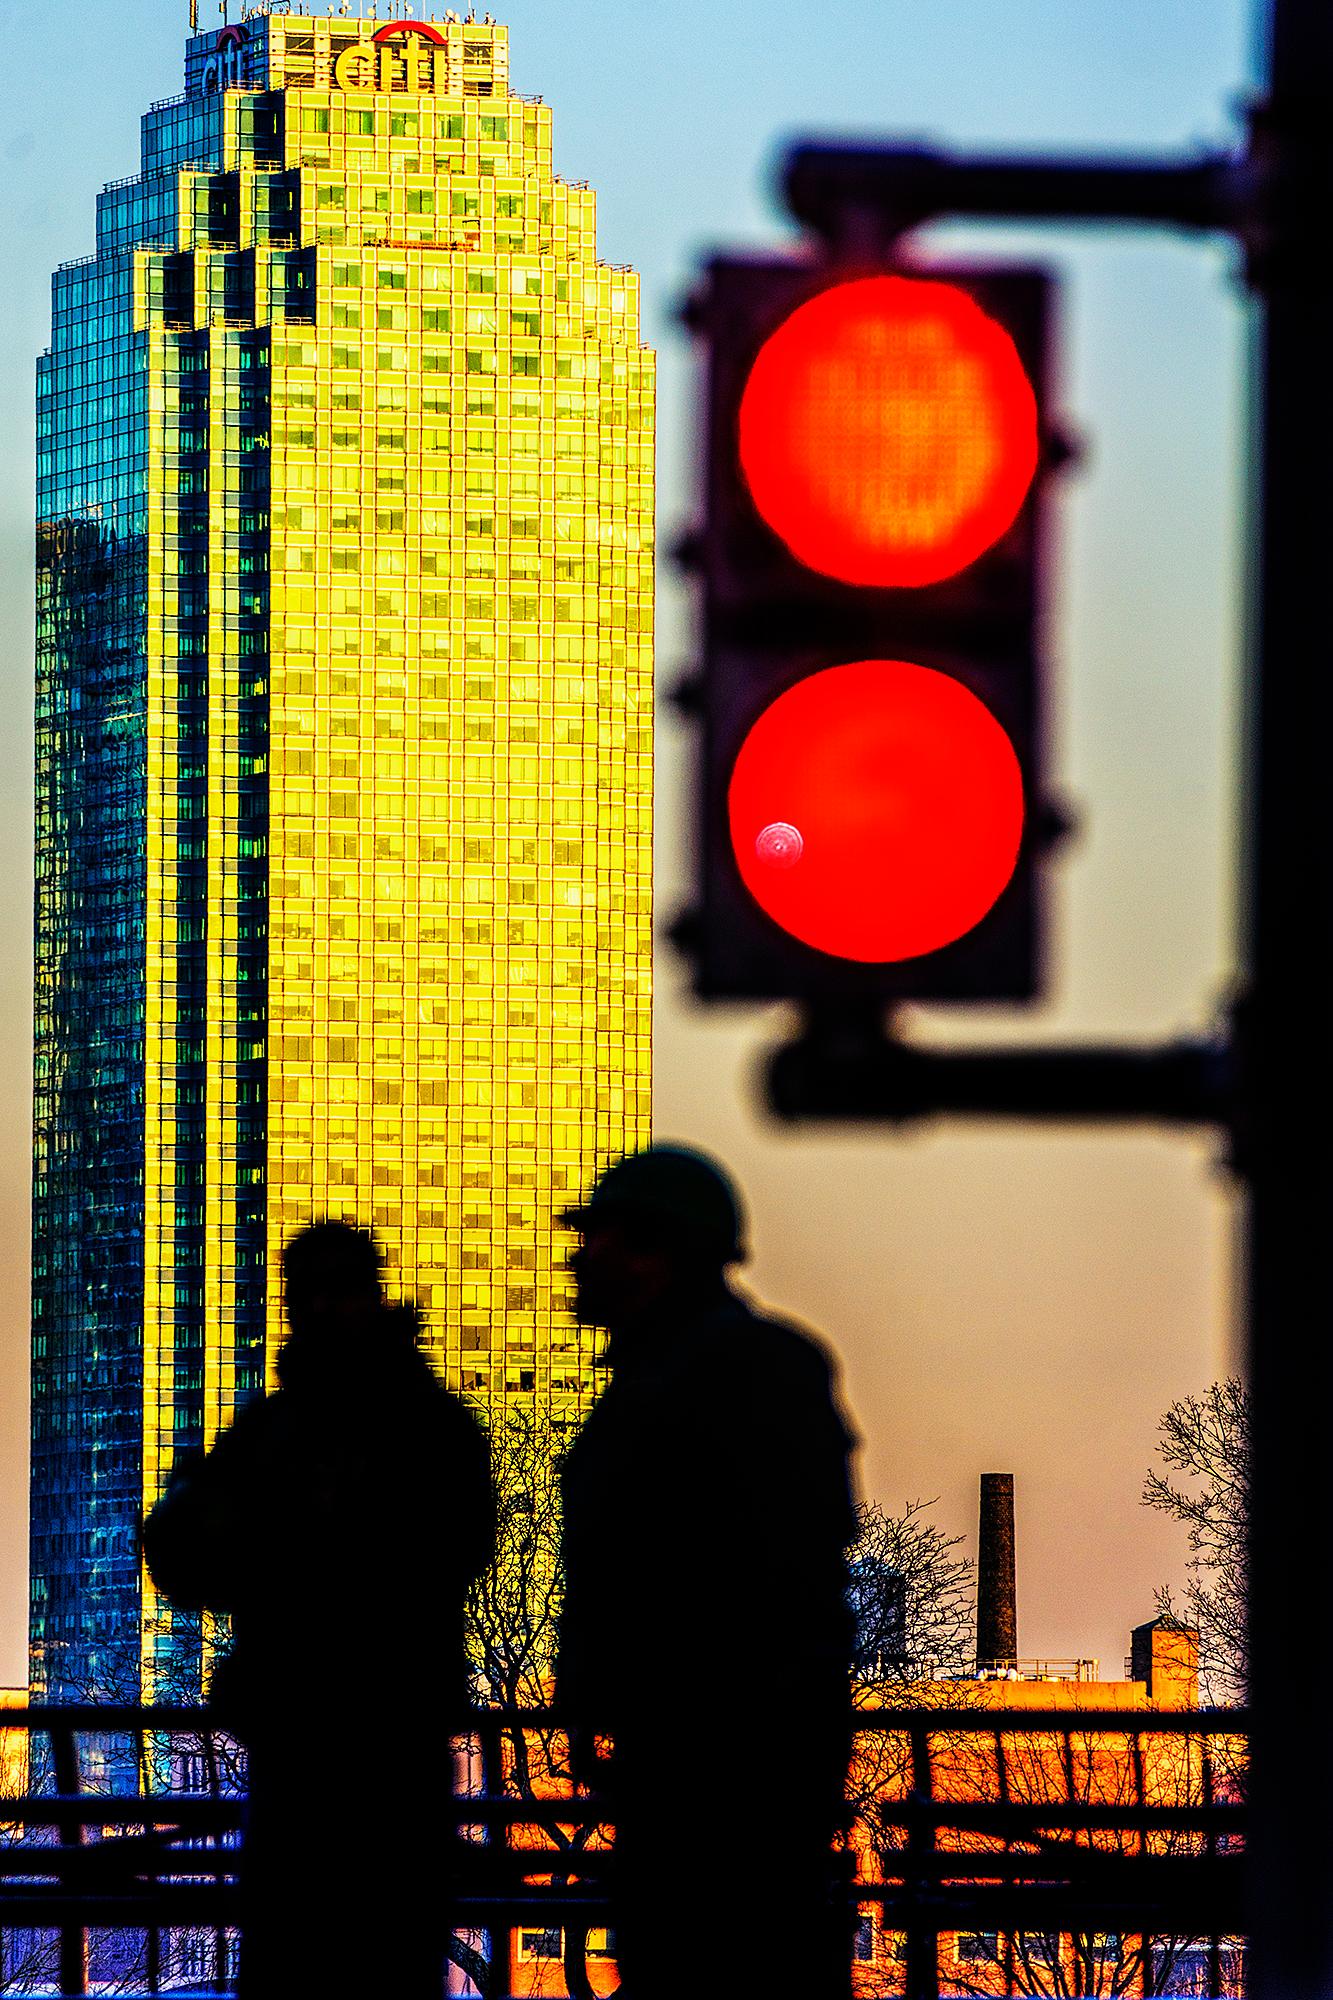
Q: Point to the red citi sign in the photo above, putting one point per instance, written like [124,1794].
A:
[402,55]
[225,66]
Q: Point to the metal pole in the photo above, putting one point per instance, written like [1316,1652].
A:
[73,1937]
[1286,1109]
[902,186]
[847,1066]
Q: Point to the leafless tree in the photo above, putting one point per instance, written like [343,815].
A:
[511,1622]
[512,1608]
[912,1597]
[1204,1444]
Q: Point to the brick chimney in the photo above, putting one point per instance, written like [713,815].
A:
[997,1598]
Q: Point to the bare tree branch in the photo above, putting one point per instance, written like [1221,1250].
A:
[1205,1440]
[912,1598]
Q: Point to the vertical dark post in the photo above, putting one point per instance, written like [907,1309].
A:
[213,1785]
[73,1937]
[1208,1799]
[997,1598]
[1285,1140]
[500,1937]
[921,1972]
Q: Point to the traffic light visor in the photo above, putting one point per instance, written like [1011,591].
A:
[888,431]
[876,810]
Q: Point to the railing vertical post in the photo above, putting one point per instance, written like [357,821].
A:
[1140,1781]
[147,1779]
[1210,1848]
[1142,1846]
[69,1826]
[213,1784]
[491,1744]
[1004,1796]
[922,1969]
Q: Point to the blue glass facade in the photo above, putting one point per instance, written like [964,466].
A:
[98,422]
[88,1221]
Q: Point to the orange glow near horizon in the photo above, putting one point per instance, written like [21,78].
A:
[888,431]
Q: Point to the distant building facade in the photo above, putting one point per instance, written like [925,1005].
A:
[345,536]
[1095,1769]
[1170,1769]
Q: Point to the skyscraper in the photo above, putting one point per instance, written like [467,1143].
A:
[344,756]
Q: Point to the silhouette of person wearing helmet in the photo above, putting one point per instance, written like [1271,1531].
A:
[340,1521]
[705,1627]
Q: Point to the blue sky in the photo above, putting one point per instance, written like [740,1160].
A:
[1002,1300]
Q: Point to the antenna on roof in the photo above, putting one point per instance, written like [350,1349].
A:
[194,17]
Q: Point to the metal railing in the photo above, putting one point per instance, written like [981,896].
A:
[1068,1669]
[977,1837]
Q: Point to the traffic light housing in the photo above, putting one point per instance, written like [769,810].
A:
[870,787]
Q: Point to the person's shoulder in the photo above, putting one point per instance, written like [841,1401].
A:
[258,1419]
[442,1407]
[773,1342]
[783,1366]
[461,1418]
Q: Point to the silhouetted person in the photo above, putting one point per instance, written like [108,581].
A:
[340,1521]
[707,1512]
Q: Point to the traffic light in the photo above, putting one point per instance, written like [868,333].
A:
[870,805]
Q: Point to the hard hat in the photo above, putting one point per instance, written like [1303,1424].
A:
[675,1186]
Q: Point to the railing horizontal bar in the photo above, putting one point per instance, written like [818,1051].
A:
[194,1908]
[1153,1871]
[995,1819]
[92,1719]
[205,1815]
[128,1809]
[200,1907]
[112,1862]
[144,1862]
[963,1721]
[1018,1911]
[1060,1917]
[205,1905]
[1027,1907]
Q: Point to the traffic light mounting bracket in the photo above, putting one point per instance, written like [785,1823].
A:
[878,193]
[850,1064]
[856,1067]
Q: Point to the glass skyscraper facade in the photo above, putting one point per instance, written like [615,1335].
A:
[344,759]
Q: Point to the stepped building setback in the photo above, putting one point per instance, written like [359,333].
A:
[343,758]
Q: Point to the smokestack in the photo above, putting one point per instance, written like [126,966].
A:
[997,1599]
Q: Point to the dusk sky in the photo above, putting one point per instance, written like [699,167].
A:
[1000,1300]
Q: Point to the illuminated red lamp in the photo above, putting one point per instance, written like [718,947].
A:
[888,431]
[876,810]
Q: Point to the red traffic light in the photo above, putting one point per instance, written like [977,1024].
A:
[888,431]
[876,810]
